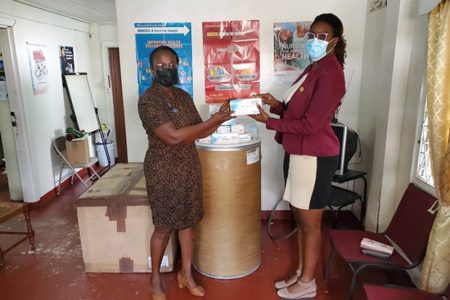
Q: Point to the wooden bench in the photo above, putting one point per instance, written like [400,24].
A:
[9,210]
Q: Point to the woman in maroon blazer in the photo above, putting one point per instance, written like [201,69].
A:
[312,149]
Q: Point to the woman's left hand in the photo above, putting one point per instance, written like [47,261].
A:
[262,116]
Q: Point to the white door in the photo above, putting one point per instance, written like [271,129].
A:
[23,186]
[7,131]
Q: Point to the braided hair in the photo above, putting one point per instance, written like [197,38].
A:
[338,30]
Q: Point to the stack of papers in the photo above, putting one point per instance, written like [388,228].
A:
[375,248]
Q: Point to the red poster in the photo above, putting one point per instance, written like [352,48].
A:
[231,50]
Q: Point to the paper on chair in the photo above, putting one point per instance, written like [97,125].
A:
[376,246]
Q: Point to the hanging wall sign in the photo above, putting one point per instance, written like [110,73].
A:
[289,50]
[66,59]
[175,35]
[38,68]
[231,50]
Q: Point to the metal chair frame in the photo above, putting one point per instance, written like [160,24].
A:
[59,145]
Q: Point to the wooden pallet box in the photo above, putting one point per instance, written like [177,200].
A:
[115,224]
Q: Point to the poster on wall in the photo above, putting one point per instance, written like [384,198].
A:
[231,52]
[66,59]
[289,50]
[38,68]
[3,91]
[175,35]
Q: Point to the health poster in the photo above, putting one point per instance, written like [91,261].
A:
[66,59]
[38,68]
[289,45]
[174,35]
[231,50]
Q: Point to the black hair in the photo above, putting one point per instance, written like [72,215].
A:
[159,49]
[338,31]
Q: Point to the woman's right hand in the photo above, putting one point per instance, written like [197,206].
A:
[221,116]
[268,99]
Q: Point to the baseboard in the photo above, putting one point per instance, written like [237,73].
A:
[50,195]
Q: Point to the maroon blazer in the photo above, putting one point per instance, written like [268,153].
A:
[305,125]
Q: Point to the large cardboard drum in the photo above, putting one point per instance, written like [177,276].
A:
[228,237]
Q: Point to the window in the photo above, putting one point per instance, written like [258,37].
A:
[423,167]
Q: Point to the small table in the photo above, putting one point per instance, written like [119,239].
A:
[7,211]
[343,197]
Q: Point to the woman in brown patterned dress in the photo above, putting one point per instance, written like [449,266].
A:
[172,166]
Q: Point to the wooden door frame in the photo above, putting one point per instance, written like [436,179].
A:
[109,98]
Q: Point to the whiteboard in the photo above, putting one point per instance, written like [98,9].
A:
[81,101]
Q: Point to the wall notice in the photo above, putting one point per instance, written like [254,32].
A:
[175,35]
[289,50]
[38,68]
[231,50]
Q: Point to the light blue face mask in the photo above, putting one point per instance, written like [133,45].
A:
[316,48]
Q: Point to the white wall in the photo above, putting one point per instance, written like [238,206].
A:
[43,117]
[352,14]
[390,95]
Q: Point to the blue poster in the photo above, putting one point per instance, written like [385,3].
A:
[175,35]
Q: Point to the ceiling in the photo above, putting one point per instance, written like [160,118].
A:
[89,11]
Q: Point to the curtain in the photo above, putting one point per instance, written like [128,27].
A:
[425,6]
[436,269]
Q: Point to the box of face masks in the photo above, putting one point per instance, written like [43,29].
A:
[245,106]
[224,138]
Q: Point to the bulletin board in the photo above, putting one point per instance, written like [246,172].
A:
[81,101]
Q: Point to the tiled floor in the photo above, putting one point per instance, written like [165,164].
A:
[55,270]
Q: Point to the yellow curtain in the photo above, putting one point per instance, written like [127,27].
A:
[436,269]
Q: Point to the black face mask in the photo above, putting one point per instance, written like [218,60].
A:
[167,77]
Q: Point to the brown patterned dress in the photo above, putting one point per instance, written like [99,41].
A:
[172,173]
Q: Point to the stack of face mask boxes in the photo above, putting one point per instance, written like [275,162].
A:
[228,133]
[235,131]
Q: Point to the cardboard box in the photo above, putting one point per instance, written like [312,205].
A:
[115,224]
[238,128]
[223,129]
[245,106]
[224,138]
[77,151]
[245,137]
[206,140]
